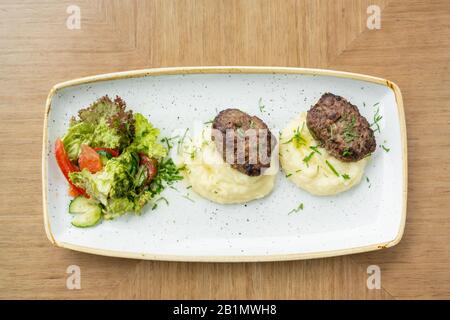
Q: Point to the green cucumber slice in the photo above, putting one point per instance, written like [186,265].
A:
[81,204]
[87,219]
[87,212]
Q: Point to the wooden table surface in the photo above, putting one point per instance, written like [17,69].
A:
[37,50]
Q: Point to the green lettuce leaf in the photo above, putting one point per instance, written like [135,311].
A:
[121,186]
[115,180]
[104,107]
[117,207]
[146,138]
[103,124]
[78,134]
[106,137]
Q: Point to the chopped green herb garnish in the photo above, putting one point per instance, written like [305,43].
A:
[186,196]
[385,148]
[346,152]
[300,207]
[315,149]
[297,138]
[308,158]
[261,105]
[181,141]
[208,122]
[155,205]
[288,175]
[368,181]
[349,131]
[376,119]
[376,104]
[168,144]
[168,141]
[164,199]
[168,173]
[189,187]
[346,176]
[193,154]
[332,168]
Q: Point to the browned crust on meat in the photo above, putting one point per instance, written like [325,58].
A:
[238,123]
[340,128]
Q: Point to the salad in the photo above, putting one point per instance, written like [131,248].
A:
[113,162]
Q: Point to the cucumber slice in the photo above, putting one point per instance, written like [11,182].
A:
[87,212]
[88,218]
[81,204]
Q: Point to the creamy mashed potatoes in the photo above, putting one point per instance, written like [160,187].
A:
[214,179]
[313,168]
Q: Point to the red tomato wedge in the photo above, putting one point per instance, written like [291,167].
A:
[151,166]
[73,191]
[113,152]
[65,165]
[89,159]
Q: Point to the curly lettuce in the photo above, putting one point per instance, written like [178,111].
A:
[78,134]
[146,139]
[103,124]
[118,181]
[122,185]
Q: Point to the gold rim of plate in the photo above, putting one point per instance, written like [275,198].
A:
[225,70]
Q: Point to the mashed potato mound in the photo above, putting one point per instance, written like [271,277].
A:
[214,179]
[312,168]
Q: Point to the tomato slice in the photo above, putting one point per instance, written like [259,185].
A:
[65,165]
[151,166]
[73,191]
[89,159]
[113,152]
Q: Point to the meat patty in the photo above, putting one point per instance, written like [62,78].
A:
[340,128]
[244,141]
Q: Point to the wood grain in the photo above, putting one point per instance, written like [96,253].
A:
[37,50]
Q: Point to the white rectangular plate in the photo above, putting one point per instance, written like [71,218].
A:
[370,216]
